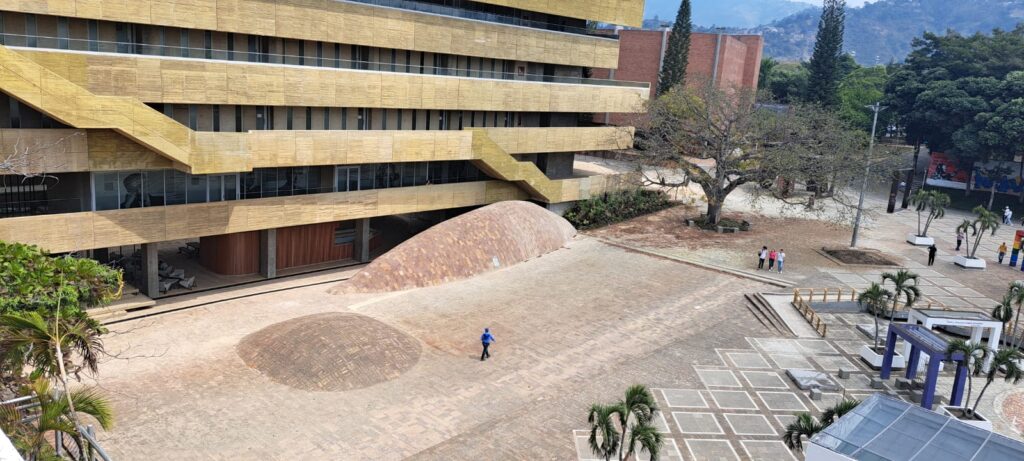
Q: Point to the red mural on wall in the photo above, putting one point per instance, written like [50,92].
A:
[945,171]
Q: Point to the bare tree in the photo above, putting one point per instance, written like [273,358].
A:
[25,156]
[720,140]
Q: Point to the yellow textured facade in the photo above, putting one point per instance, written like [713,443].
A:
[623,12]
[102,229]
[189,81]
[349,23]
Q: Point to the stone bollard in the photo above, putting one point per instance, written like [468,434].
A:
[903,383]
[876,383]
[843,374]
[815,393]
[916,396]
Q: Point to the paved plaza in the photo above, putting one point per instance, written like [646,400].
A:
[239,379]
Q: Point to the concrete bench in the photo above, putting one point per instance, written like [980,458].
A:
[727,230]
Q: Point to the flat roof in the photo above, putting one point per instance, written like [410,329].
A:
[958,315]
[882,428]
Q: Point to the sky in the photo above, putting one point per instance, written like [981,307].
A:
[675,3]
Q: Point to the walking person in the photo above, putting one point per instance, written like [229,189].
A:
[1002,252]
[779,258]
[959,239]
[761,256]
[1007,215]
[487,338]
[771,259]
[931,254]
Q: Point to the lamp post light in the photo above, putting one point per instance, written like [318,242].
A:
[876,108]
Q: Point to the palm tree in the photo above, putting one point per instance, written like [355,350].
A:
[973,357]
[1017,288]
[831,414]
[804,426]
[905,286]
[985,222]
[935,202]
[638,402]
[968,228]
[875,299]
[647,437]
[53,415]
[1006,359]
[1003,311]
[27,338]
[604,436]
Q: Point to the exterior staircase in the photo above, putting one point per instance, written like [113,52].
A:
[497,163]
[766,315]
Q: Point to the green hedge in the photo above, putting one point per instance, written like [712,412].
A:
[613,207]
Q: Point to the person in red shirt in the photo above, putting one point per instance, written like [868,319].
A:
[771,259]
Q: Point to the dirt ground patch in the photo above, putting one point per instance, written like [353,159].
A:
[859,257]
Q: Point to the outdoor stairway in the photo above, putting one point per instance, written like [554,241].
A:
[49,92]
[497,163]
[766,315]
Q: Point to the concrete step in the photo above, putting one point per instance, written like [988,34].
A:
[127,303]
[765,316]
[758,315]
[768,309]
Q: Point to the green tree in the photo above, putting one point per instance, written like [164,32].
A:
[1005,360]
[787,82]
[33,280]
[720,140]
[904,285]
[604,436]
[875,299]
[823,84]
[55,414]
[806,426]
[986,221]
[933,201]
[638,406]
[677,54]
[973,356]
[1003,311]
[634,430]
[857,90]
[767,66]
[1016,290]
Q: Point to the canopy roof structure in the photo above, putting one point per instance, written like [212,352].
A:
[882,428]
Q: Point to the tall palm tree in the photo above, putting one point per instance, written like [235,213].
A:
[985,222]
[647,437]
[52,416]
[804,426]
[831,414]
[1017,288]
[639,403]
[1003,312]
[29,339]
[604,436]
[875,299]
[1007,360]
[933,201]
[968,228]
[973,357]
[904,286]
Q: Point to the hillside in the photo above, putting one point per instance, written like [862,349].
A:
[885,29]
[727,13]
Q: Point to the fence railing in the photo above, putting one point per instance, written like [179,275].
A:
[66,447]
[803,297]
[809,314]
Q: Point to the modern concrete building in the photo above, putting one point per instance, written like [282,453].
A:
[257,136]
[728,60]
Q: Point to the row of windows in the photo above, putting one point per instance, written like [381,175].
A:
[38,31]
[136,189]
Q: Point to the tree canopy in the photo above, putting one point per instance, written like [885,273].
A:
[677,54]
[823,81]
[31,280]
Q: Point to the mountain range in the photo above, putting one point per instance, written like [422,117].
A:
[727,13]
[882,31]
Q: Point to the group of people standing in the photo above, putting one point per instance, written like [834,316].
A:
[772,256]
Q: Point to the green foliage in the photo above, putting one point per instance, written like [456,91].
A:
[875,299]
[616,206]
[806,426]
[54,414]
[786,81]
[973,356]
[767,66]
[825,73]
[904,285]
[30,339]
[932,200]
[604,436]
[634,432]
[677,54]
[31,280]
[859,88]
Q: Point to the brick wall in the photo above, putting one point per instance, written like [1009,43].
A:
[739,62]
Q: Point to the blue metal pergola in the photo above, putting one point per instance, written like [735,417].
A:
[923,340]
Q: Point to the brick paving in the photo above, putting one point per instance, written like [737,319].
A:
[574,327]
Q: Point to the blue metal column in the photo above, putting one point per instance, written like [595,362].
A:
[890,349]
[912,362]
[958,385]
[929,384]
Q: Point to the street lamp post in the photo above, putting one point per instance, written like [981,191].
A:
[876,108]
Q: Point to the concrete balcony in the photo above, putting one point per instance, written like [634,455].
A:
[356,24]
[201,81]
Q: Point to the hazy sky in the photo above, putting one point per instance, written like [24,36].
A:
[675,3]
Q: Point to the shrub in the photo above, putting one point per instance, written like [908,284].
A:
[616,206]
[31,280]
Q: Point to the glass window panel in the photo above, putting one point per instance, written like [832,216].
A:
[408,174]
[153,186]
[353,178]
[174,187]
[366,175]
[215,183]
[130,190]
[105,191]
[230,187]
[420,177]
[252,185]
[196,192]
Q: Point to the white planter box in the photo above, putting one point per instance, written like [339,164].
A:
[917,240]
[875,359]
[969,263]
[982,423]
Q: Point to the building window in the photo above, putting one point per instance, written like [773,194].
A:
[208,44]
[216,118]
[309,118]
[238,119]
[183,42]
[231,46]
[327,118]
[320,54]
[63,41]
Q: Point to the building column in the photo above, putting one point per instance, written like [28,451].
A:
[268,253]
[150,266]
[361,243]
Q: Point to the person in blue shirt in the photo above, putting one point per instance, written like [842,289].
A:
[487,338]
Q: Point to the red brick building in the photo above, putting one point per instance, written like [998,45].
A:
[737,62]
